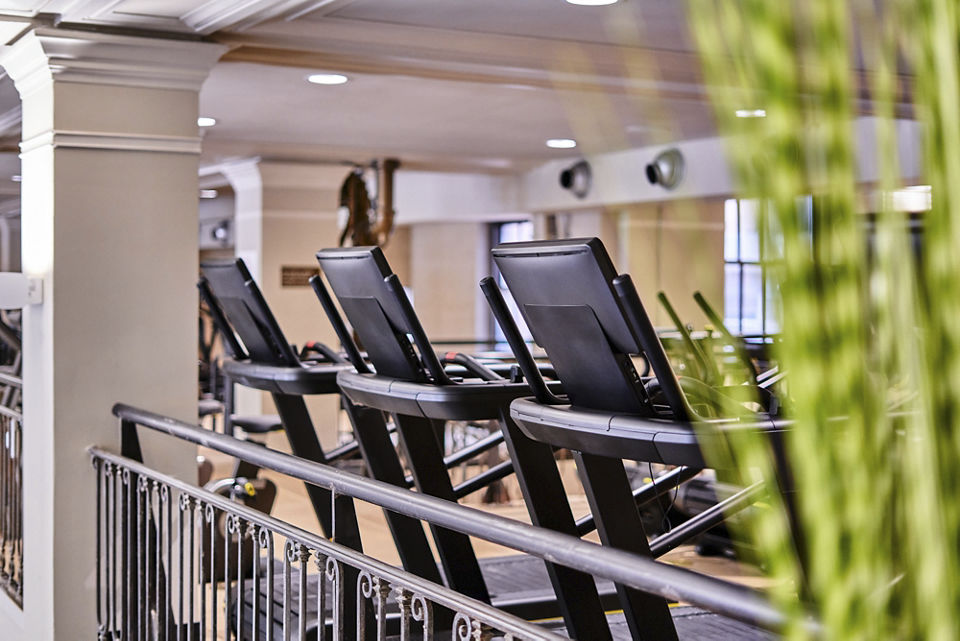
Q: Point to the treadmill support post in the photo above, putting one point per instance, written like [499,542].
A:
[609,494]
[549,507]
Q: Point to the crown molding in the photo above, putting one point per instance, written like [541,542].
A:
[204,17]
[244,177]
[112,141]
[43,55]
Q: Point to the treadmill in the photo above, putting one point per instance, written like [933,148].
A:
[590,321]
[263,359]
[410,384]
[266,361]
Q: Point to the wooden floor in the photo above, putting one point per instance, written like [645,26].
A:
[293,507]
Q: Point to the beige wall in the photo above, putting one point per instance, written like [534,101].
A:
[447,261]
[397,252]
[675,247]
[583,224]
[293,241]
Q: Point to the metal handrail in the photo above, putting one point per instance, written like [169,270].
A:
[10,379]
[642,573]
[11,413]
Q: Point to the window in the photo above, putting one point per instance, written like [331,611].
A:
[512,232]
[751,244]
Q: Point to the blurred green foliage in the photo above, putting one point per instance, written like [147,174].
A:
[871,339]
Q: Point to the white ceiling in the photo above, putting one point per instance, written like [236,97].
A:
[661,20]
[438,83]
[272,110]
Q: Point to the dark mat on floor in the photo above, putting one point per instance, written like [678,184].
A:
[693,624]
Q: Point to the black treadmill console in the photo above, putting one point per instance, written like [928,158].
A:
[565,292]
[245,308]
[358,277]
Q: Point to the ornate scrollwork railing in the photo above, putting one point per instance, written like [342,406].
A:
[158,574]
[11,505]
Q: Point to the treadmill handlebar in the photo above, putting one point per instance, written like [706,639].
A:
[713,316]
[271,330]
[708,367]
[640,323]
[346,340]
[327,353]
[220,322]
[427,355]
[512,333]
[737,343]
[472,365]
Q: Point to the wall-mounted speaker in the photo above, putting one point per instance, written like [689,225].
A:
[577,178]
[666,169]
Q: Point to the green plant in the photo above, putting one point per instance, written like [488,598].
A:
[878,515]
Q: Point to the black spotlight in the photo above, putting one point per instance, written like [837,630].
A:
[577,178]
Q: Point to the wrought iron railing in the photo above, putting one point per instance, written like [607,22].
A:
[155,561]
[11,500]
[177,562]
[16,291]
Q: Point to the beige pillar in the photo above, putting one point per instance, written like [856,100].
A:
[109,153]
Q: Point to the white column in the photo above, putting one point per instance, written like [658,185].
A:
[244,178]
[109,152]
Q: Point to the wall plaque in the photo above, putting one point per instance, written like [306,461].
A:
[297,275]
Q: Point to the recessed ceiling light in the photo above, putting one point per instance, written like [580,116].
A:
[592,3]
[208,193]
[561,143]
[520,87]
[327,78]
[751,113]
[206,121]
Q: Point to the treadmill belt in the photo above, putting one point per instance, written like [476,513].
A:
[510,579]
[506,575]
[520,585]
[693,624]
[517,582]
